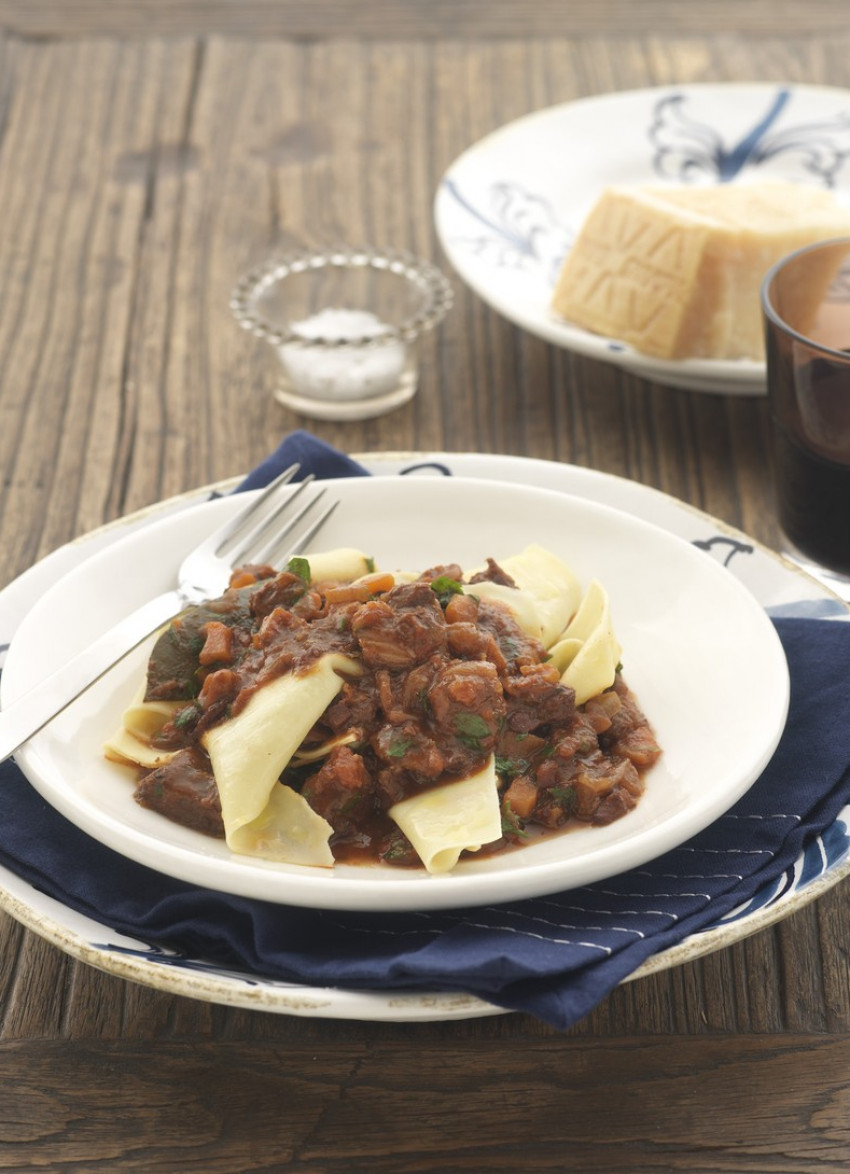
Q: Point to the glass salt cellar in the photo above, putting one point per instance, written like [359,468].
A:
[345,325]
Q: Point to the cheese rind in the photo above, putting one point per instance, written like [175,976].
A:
[676,272]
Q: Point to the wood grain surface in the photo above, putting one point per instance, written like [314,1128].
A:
[149,155]
[346,1109]
[422,19]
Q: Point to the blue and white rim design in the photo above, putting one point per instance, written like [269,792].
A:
[823,861]
[519,228]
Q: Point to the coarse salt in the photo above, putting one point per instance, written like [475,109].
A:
[342,372]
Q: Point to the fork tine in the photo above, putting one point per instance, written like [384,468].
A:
[235,525]
[257,544]
[280,551]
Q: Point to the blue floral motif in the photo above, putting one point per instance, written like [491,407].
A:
[522,229]
[735,546]
[688,150]
[812,609]
[766,896]
[818,858]
[179,961]
[823,853]
[426,467]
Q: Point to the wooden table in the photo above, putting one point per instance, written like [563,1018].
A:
[150,153]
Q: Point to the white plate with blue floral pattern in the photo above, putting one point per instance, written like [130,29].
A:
[508,209]
[777,585]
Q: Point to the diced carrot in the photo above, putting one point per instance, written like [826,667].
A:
[220,685]
[361,591]
[218,643]
[242,578]
[521,796]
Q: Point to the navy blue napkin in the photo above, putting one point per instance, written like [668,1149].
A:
[313,455]
[555,957]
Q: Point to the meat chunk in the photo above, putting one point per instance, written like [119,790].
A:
[184,790]
[472,642]
[516,646]
[339,790]
[410,748]
[354,708]
[467,707]
[402,629]
[283,590]
[493,574]
[536,697]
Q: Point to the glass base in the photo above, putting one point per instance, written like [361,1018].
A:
[342,409]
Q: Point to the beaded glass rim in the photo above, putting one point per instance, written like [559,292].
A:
[434,286]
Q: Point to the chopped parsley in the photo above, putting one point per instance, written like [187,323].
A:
[470,728]
[300,568]
[510,768]
[444,587]
[510,646]
[187,716]
[512,825]
[400,746]
[398,850]
[566,797]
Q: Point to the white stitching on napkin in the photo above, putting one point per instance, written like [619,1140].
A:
[566,925]
[728,851]
[527,933]
[482,925]
[737,876]
[616,912]
[670,896]
[775,815]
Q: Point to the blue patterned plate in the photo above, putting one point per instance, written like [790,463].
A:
[777,585]
[508,209]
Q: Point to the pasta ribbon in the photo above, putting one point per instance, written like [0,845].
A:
[248,752]
[587,654]
[549,592]
[520,604]
[341,565]
[315,751]
[141,722]
[444,821]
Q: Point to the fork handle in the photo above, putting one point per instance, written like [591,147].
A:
[28,714]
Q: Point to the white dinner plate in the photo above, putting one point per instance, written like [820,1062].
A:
[508,209]
[778,586]
[698,651]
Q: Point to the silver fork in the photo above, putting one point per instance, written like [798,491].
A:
[273,528]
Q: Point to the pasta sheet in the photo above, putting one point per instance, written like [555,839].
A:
[248,753]
[445,821]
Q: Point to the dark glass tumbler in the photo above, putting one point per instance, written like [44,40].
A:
[806,304]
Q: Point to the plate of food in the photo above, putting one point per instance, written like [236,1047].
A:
[635,227]
[518,695]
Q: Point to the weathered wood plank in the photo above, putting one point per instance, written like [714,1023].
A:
[424,19]
[642,1104]
[138,180]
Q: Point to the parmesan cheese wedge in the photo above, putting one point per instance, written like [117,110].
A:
[676,272]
